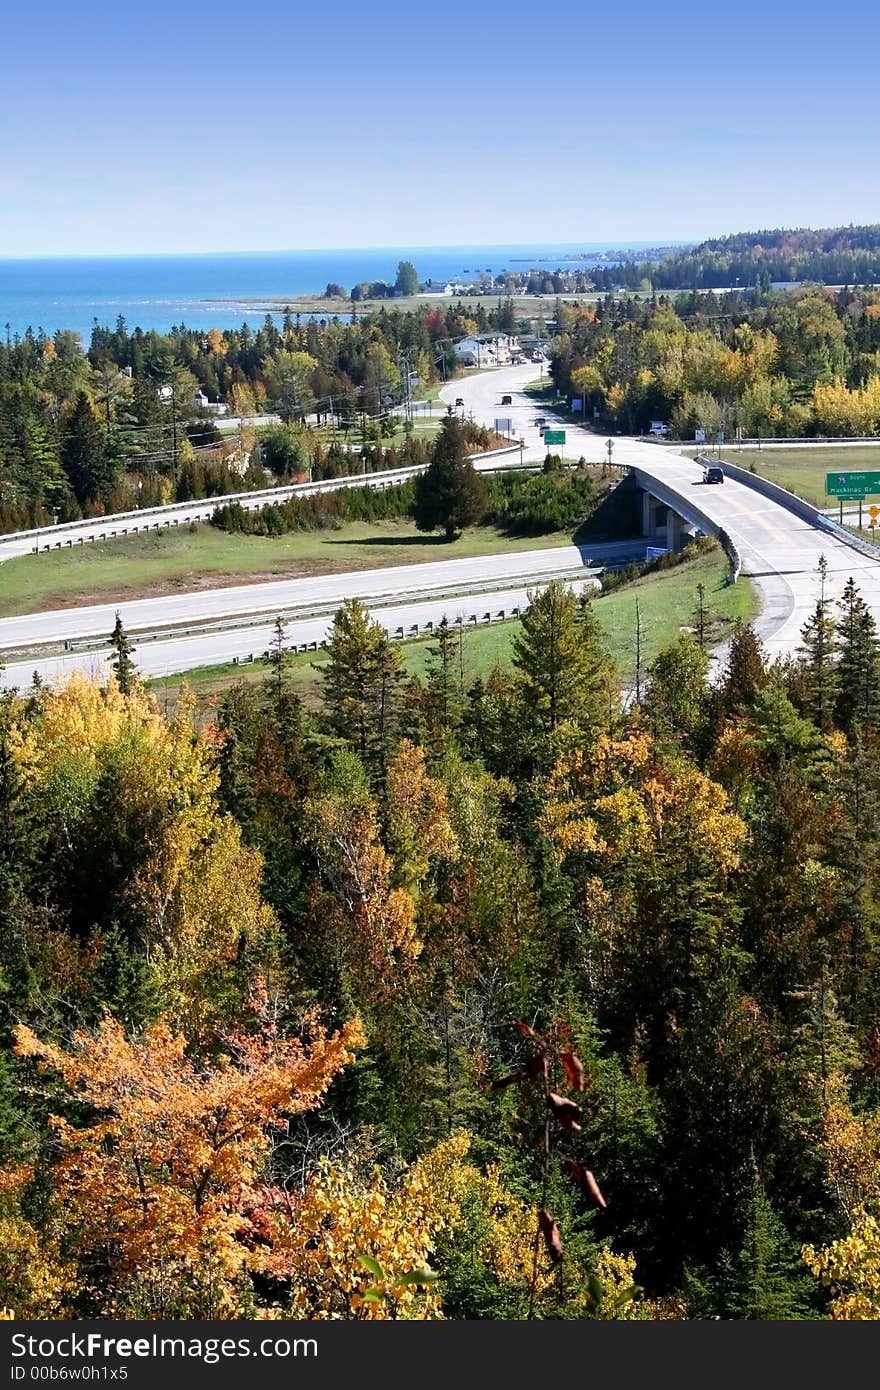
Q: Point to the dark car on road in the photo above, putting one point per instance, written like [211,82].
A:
[459,400]
[506,400]
[713,474]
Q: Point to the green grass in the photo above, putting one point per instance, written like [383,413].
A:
[666,604]
[802,471]
[178,560]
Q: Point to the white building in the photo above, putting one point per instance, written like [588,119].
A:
[486,349]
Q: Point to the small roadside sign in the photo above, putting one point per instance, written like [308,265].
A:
[854,485]
[554,436]
[699,436]
[873,513]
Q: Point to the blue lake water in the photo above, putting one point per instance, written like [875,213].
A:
[204,291]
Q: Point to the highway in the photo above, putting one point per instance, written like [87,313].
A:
[278,596]
[780,550]
[401,619]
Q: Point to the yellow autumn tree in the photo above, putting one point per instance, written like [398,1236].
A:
[617,801]
[35,1277]
[418,822]
[151,1189]
[129,800]
[850,1267]
[347,1247]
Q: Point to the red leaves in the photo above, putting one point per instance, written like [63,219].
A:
[574,1070]
[584,1179]
[550,1232]
[527,1032]
[565,1111]
[509,1080]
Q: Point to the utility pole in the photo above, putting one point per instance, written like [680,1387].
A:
[173,428]
[638,655]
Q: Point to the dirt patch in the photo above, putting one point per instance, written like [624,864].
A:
[214,579]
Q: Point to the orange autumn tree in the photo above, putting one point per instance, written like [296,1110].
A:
[151,1187]
[372,920]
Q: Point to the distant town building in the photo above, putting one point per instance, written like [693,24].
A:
[486,349]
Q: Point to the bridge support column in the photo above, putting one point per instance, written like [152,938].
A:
[649,514]
[673,529]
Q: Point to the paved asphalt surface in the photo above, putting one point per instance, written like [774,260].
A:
[161,658]
[780,551]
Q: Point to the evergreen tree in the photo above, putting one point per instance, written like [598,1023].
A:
[818,641]
[444,687]
[450,494]
[564,671]
[746,670]
[122,665]
[361,681]
[279,661]
[82,455]
[767,1281]
[858,670]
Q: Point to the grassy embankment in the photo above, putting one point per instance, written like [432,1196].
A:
[666,605]
[181,560]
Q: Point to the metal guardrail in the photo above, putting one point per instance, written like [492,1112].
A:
[797,505]
[443,593]
[118,523]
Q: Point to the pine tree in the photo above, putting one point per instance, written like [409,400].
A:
[746,670]
[82,455]
[858,670]
[767,1282]
[818,641]
[123,667]
[361,681]
[444,690]
[564,671]
[279,660]
[449,494]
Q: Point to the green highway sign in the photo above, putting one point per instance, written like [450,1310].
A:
[853,485]
[558,437]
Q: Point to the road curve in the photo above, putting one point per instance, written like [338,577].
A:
[780,550]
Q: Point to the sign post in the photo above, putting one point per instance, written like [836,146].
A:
[554,437]
[609,445]
[855,486]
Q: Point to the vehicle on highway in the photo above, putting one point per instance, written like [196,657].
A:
[658,427]
[459,400]
[713,474]
[541,424]
[507,400]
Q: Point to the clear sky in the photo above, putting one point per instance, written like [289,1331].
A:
[211,127]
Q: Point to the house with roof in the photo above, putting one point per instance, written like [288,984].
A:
[486,349]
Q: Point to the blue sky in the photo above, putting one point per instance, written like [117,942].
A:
[283,126]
